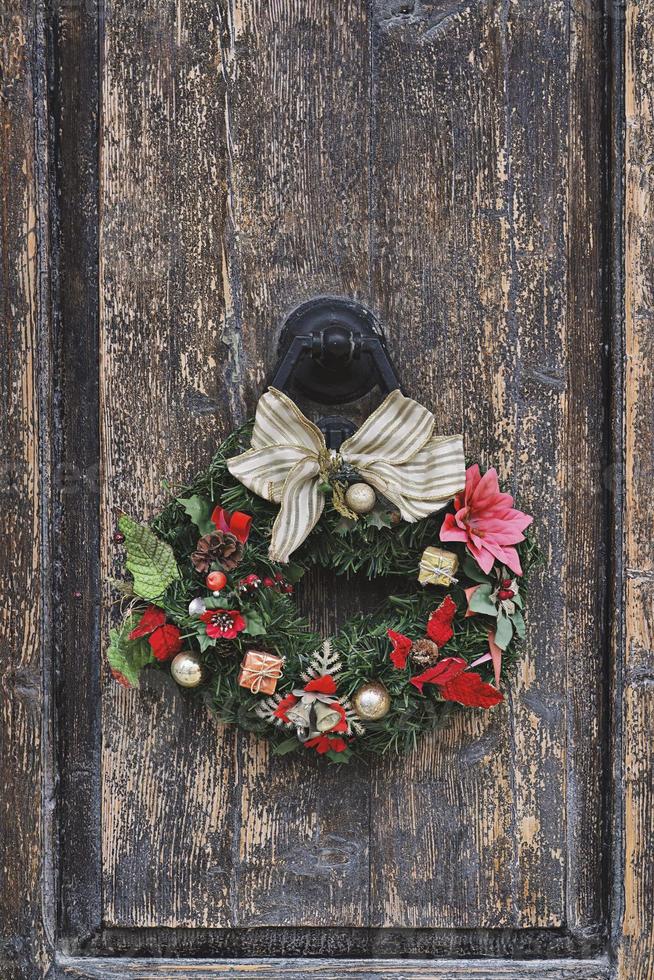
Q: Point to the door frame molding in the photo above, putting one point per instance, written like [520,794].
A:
[56,88]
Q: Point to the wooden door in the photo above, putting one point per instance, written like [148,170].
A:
[178,176]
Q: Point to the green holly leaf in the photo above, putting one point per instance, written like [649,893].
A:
[128,657]
[340,757]
[288,745]
[378,519]
[205,641]
[503,631]
[472,570]
[481,601]
[517,598]
[254,624]
[199,509]
[151,561]
[519,624]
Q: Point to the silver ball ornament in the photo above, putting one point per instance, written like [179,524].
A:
[371,701]
[361,498]
[196,607]
[187,669]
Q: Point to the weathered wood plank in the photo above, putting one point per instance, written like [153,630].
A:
[439,198]
[471,191]
[25,447]
[75,89]
[168,389]
[636,939]
[583,459]
[106,969]
[298,121]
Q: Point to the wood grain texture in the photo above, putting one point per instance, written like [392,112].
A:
[420,157]
[104,969]
[478,170]
[168,384]
[74,108]
[636,938]
[25,379]
[297,110]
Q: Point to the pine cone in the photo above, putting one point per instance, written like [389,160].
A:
[219,546]
[424,653]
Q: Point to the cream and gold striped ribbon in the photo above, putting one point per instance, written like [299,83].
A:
[395,451]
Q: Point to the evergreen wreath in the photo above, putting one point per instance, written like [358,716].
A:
[207,602]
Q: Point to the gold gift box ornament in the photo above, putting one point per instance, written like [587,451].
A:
[437,567]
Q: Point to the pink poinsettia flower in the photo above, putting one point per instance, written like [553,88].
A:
[486,521]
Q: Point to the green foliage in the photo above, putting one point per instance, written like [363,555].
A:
[128,657]
[151,561]
[374,546]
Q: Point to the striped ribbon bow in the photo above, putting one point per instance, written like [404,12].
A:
[395,451]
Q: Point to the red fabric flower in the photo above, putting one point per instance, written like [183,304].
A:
[441,673]
[237,523]
[486,521]
[401,649]
[439,627]
[285,705]
[166,641]
[224,624]
[151,619]
[322,685]
[470,690]
[323,743]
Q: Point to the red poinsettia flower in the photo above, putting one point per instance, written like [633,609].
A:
[152,618]
[401,648]
[223,624]
[237,523]
[439,626]
[284,706]
[325,743]
[166,642]
[321,685]
[440,673]
[469,689]
[486,521]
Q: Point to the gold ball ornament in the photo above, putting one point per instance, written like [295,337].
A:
[372,701]
[361,498]
[187,669]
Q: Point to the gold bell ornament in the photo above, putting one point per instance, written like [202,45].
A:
[187,669]
[371,701]
[360,498]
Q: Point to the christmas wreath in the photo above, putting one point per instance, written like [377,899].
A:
[210,598]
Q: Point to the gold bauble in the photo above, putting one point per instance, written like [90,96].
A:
[187,669]
[372,701]
[361,498]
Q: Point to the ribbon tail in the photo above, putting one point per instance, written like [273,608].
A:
[302,504]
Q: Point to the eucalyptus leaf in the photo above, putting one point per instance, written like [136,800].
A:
[481,602]
[519,624]
[472,570]
[150,560]
[199,509]
[503,631]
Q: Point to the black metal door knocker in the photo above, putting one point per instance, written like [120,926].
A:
[332,351]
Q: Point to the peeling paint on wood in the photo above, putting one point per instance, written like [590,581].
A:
[635,940]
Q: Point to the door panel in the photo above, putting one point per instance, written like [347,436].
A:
[426,161]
